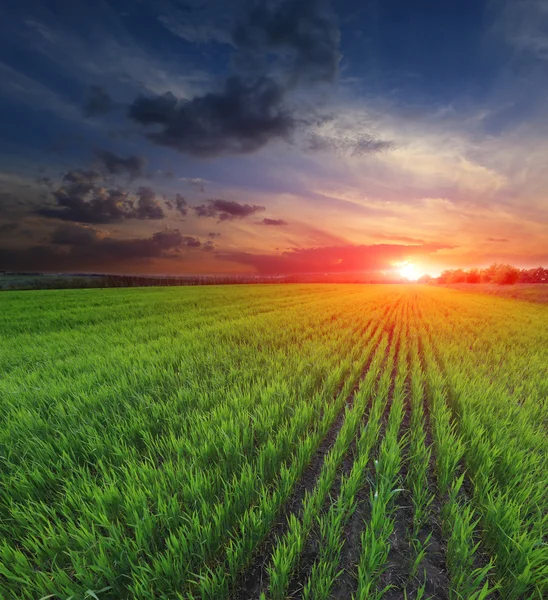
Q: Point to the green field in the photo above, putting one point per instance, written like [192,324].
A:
[273,442]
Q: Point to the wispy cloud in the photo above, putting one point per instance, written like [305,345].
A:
[524,24]
[35,95]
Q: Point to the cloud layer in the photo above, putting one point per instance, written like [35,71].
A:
[74,247]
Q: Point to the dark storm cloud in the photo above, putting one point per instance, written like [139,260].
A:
[227,210]
[75,248]
[306,30]
[332,259]
[274,222]
[296,44]
[240,119]
[103,206]
[179,204]
[133,165]
[83,199]
[97,102]
[250,111]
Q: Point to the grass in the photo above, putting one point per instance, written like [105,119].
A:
[163,442]
[531,292]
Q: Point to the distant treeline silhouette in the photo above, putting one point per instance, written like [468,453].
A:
[29,281]
[497,273]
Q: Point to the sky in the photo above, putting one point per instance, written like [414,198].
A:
[273,136]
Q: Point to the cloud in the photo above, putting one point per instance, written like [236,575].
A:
[83,199]
[10,227]
[97,102]
[191,242]
[74,235]
[147,206]
[81,180]
[14,231]
[250,110]
[240,119]
[297,43]
[35,95]
[76,248]
[332,259]
[500,240]
[196,23]
[524,24]
[133,165]
[179,204]
[398,238]
[226,210]
[304,31]
[196,182]
[213,235]
[44,181]
[354,144]
[274,222]
[208,246]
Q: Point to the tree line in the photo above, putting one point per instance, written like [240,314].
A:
[500,274]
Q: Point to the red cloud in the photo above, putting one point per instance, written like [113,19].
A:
[332,259]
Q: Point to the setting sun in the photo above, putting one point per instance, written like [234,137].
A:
[409,271]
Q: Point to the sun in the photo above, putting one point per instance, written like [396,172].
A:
[408,271]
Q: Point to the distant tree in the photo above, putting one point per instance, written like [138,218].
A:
[506,275]
[445,276]
[473,276]
[425,279]
[457,276]
[537,275]
[487,275]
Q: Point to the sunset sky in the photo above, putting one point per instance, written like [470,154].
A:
[279,136]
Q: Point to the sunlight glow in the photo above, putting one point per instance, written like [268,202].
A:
[409,271]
